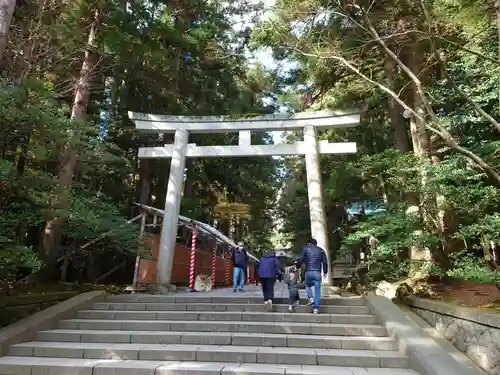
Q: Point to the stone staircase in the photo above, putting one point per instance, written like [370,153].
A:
[193,334]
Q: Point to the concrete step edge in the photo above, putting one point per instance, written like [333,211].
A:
[191,348]
[227,322]
[151,298]
[113,306]
[213,353]
[219,338]
[232,296]
[235,313]
[222,334]
[228,316]
[283,304]
[226,326]
[24,366]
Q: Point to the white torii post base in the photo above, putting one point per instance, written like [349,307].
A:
[168,237]
[319,227]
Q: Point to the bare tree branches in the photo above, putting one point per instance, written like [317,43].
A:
[429,118]
[449,78]
[434,120]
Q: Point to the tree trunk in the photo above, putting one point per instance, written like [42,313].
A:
[69,155]
[398,121]
[64,270]
[188,184]
[144,181]
[447,223]
[6,12]
[21,160]
[497,11]
[420,255]
[434,205]
[419,135]
[93,269]
[161,183]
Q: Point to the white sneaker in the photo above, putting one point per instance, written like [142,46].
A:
[297,303]
[315,311]
[269,304]
[311,302]
[290,308]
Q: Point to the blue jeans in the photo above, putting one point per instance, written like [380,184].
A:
[313,278]
[268,288]
[238,273]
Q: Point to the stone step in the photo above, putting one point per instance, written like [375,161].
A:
[332,329]
[220,338]
[58,366]
[212,353]
[238,307]
[227,316]
[236,298]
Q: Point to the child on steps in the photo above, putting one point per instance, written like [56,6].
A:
[292,280]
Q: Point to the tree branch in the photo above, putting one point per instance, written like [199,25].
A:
[445,135]
[385,89]
[468,50]
[437,129]
[434,124]
[449,78]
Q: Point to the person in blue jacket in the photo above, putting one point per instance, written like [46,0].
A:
[314,259]
[268,268]
[240,261]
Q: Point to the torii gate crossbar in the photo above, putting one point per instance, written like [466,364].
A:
[182,126]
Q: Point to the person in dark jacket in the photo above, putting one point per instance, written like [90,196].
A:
[240,261]
[314,259]
[268,268]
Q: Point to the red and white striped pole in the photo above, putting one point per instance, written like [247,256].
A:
[226,278]
[192,259]
[214,265]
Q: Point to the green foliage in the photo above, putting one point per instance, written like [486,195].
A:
[469,267]
[15,259]
[188,58]
[388,260]
[37,126]
[92,213]
[438,200]
[158,57]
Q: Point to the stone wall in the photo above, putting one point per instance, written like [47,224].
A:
[477,334]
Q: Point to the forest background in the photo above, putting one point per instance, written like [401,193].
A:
[425,75]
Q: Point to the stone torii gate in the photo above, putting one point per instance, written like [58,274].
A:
[182,126]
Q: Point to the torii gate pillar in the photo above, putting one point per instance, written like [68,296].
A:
[168,237]
[319,227]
